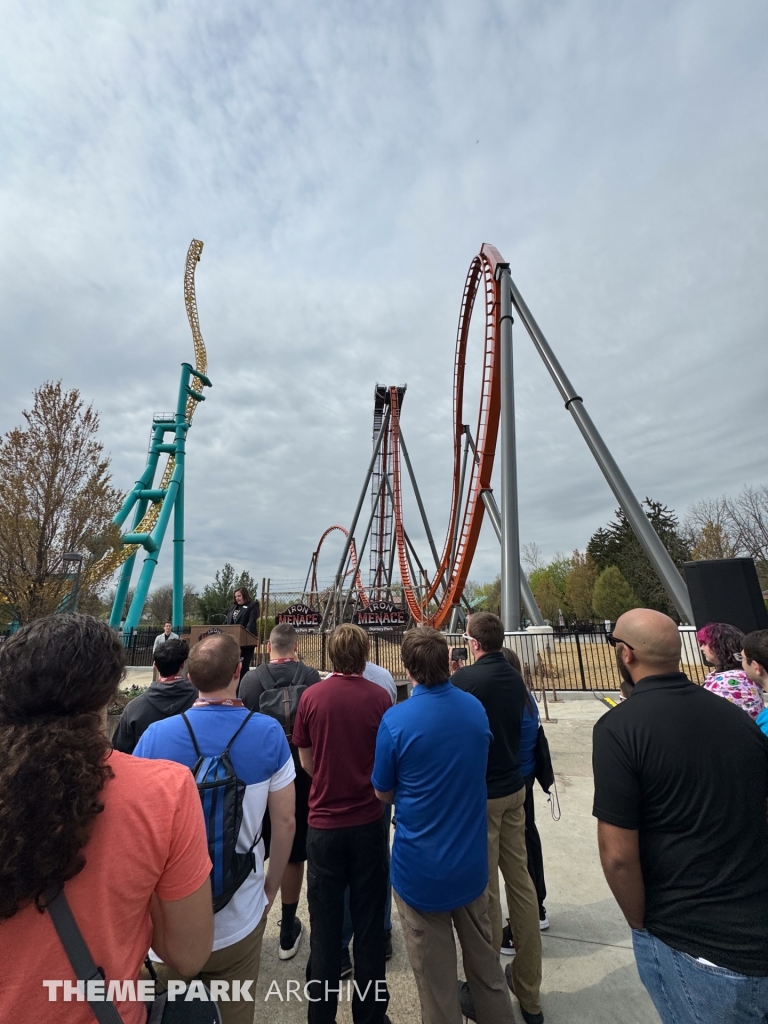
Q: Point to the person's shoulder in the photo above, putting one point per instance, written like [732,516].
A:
[467,700]
[141,771]
[373,672]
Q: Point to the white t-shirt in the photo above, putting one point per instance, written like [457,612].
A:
[380,676]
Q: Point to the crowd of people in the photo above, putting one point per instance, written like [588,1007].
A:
[171,845]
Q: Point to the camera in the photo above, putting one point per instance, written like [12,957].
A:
[458,654]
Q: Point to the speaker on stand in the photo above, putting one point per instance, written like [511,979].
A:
[726,590]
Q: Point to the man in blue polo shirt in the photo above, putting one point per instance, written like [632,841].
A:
[431,755]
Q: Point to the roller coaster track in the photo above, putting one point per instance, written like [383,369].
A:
[148,522]
[466,516]
[444,591]
[354,567]
[434,599]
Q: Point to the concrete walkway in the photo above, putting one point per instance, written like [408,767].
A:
[589,969]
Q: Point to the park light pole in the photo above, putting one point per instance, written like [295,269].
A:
[77,558]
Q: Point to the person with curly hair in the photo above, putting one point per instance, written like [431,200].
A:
[720,645]
[123,837]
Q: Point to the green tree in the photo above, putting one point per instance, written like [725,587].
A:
[612,595]
[580,585]
[549,587]
[486,597]
[617,545]
[216,598]
[548,597]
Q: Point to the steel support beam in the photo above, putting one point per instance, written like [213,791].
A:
[510,526]
[649,540]
[529,601]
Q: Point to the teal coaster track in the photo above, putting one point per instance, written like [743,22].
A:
[152,505]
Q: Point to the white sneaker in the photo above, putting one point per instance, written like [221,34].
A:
[543,922]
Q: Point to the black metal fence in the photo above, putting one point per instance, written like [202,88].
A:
[561,660]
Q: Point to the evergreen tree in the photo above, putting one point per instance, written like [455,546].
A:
[617,545]
[612,595]
[216,598]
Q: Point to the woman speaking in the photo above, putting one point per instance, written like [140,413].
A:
[244,612]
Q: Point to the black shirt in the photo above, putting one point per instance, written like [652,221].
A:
[266,677]
[161,700]
[689,771]
[501,691]
[244,615]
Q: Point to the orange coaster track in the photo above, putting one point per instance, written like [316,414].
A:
[457,557]
[354,567]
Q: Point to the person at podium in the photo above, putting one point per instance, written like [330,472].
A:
[244,612]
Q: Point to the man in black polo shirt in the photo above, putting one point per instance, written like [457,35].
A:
[681,784]
[501,691]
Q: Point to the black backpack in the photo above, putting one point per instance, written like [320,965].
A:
[221,794]
[281,700]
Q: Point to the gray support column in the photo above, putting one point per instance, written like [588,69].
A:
[649,540]
[510,530]
[529,601]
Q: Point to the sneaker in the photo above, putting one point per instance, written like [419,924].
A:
[543,922]
[466,1002]
[507,945]
[529,1018]
[346,963]
[289,944]
[387,945]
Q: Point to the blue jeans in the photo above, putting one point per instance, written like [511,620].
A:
[348,931]
[687,992]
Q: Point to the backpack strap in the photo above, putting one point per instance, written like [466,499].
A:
[79,956]
[194,741]
[239,729]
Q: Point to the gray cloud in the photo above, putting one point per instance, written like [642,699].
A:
[342,166]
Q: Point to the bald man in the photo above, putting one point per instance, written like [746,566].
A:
[681,790]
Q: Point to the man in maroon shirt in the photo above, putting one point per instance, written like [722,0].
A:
[335,730]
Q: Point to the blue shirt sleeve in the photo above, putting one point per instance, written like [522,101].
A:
[384,776]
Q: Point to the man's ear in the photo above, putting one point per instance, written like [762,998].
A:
[628,655]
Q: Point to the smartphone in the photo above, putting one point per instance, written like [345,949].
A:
[459,654]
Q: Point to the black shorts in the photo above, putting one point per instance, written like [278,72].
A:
[299,849]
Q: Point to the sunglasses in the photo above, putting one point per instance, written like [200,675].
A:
[613,640]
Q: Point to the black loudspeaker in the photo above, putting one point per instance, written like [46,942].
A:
[726,590]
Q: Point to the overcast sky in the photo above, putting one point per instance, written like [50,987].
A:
[343,162]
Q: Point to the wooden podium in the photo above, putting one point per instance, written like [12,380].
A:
[240,633]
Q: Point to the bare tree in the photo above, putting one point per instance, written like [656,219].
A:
[159,606]
[748,514]
[532,556]
[55,497]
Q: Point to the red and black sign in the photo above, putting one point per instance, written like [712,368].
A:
[381,617]
[303,618]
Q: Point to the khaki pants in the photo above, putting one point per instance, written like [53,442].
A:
[432,953]
[240,962]
[506,850]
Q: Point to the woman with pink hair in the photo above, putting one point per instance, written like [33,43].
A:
[720,645]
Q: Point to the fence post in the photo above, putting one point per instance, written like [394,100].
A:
[376,648]
[322,652]
[581,663]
